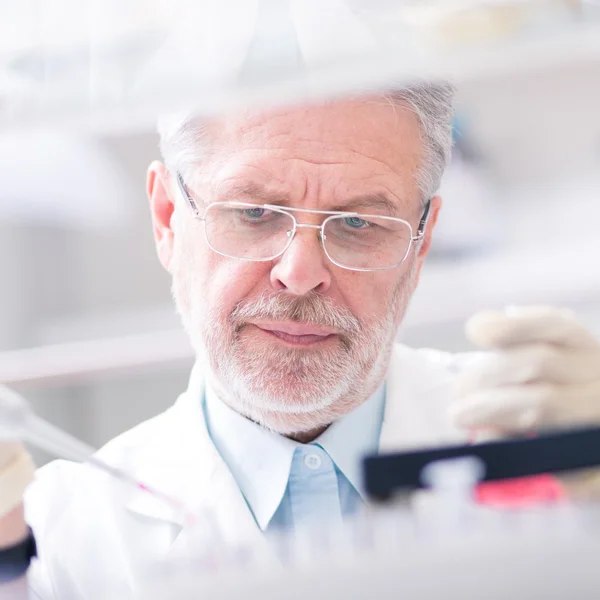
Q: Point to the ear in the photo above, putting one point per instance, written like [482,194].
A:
[434,211]
[161,209]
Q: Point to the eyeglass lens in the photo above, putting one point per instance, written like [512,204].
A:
[354,241]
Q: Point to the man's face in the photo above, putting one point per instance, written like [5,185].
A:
[295,342]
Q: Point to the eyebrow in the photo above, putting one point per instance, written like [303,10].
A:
[357,204]
[255,192]
[368,202]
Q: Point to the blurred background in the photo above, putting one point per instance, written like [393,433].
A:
[87,328]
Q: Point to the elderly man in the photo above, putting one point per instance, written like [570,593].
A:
[295,239]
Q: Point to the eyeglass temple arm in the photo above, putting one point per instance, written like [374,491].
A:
[186,194]
[423,221]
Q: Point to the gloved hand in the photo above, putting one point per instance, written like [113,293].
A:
[16,466]
[544,374]
[15,474]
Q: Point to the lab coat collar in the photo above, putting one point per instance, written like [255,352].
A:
[174,453]
[175,459]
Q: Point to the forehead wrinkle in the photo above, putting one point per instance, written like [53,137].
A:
[277,134]
[298,186]
[308,128]
[241,174]
[403,165]
[240,180]
[395,163]
[331,123]
[294,147]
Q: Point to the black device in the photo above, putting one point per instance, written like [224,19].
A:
[15,561]
[387,474]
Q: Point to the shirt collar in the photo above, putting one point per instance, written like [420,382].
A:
[354,436]
[260,460]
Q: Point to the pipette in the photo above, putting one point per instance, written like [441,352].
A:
[18,421]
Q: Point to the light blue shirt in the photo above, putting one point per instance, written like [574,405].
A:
[291,485]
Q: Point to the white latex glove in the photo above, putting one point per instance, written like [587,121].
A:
[16,466]
[544,372]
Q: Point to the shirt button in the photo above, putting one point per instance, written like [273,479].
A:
[312,461]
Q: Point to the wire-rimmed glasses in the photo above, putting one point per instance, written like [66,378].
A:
[263,232]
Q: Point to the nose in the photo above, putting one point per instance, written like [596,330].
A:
[303,267]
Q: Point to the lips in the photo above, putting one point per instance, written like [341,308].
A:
[298,333]
[298,329]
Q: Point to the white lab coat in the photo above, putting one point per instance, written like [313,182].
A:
[97,538]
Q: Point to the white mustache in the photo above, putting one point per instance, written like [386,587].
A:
[314,309]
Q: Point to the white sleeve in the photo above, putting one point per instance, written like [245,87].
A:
[39,582]
[35,585]
[16,590]
[21,589]
[43,504]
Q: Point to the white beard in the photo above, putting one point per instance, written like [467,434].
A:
[273,385]
[291,390]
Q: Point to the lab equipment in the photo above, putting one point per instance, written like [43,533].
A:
[18,421]
[502,562]
[116,65]
[501,460]
[443,546]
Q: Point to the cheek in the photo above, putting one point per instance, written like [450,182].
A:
[366,294]
[228,281]
[372,295]
[206,282]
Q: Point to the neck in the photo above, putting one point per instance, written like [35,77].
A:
[305,437]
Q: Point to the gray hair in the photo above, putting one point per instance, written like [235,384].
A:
[184,139]
[433,103]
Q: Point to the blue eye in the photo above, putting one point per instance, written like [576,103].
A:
[355,222]
[254,213]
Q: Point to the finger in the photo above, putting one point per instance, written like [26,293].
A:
[511,409]
[528,407]
[530,364]
[8,450]
[576,404]
[583,485]
[526,325]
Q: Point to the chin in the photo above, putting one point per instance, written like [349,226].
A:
[296,393]
[290,422]
[296,401]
